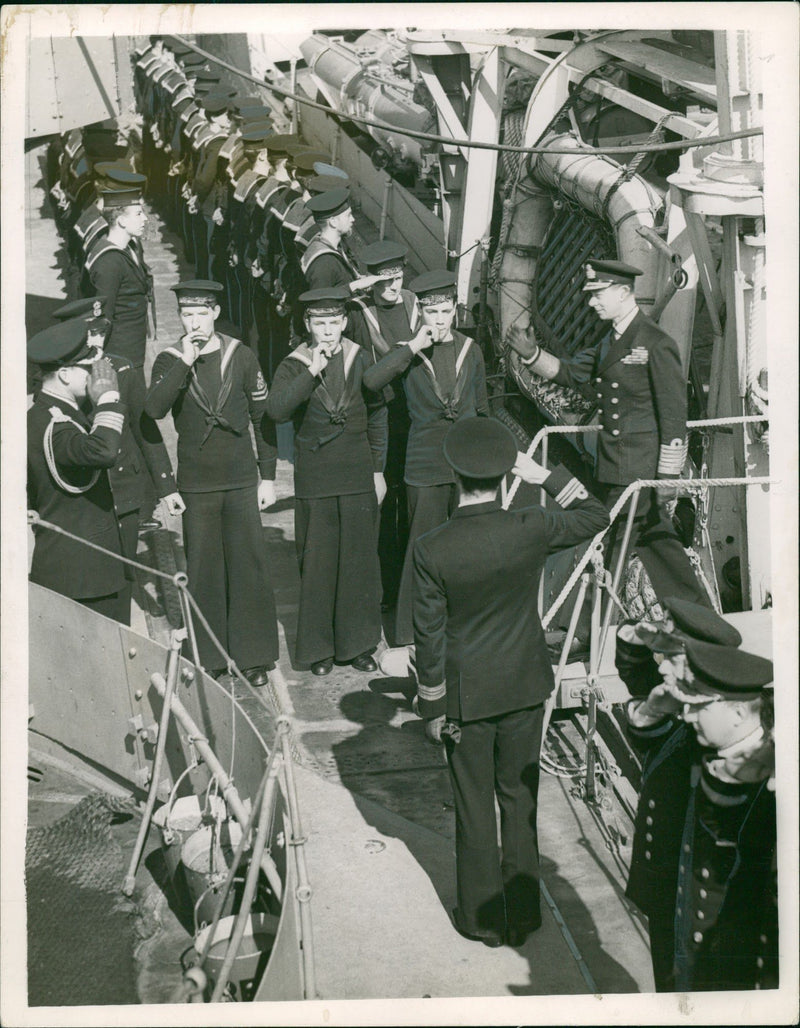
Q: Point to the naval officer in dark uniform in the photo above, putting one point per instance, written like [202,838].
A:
[719,826]
[69,454]
[215,390]
[483,667]
[442,374]
[635,376]
[340,450]
[667,757]
[143,446]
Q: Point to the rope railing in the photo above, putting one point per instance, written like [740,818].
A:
[285,748]
[548,430]
[189,604]
[687,485]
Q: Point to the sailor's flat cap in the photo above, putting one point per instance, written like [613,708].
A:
[384,256]
[329,204]
[331,300]
[198,292]
[434,286]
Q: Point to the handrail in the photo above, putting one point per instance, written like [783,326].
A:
[229,791]
[173,704]
[297,842]
[547,430]
[687,485]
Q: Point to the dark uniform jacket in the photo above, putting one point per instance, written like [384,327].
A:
[640,388]
[74,495]
[431,411]
[480,645]
[325,266]
[722,837]
[128,286]
[668,751]
[141,449]
[340,435]
[213,404]
[377,328]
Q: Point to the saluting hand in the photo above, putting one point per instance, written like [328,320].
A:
[529,471]
[103,379]
[365,282]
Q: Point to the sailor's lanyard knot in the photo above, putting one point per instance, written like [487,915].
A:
[339,417]
[450,412]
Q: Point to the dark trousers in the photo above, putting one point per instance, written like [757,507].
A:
[497,756]
[144,431]
[393,531]
[428,507]
[661,928]
[340,593]
[657,543]
[226,562]
[279,338]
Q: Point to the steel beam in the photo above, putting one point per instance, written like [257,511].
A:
[478,194]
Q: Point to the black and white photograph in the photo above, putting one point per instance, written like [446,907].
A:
[399,514]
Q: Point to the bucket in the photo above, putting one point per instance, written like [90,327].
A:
[253,955]
[206,855]
[178,819]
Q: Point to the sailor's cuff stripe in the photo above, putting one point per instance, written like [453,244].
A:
[108,419]
[572,491]
[431,693]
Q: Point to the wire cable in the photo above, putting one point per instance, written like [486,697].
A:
[431,137]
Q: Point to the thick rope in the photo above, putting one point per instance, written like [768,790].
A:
[548,430]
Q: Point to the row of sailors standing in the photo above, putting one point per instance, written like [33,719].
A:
[278,218]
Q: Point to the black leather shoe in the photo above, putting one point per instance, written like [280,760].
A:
[322,667]
[517,934]
[364,662]
[256,676]
[490,939]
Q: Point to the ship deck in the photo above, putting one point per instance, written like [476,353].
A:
[374,795]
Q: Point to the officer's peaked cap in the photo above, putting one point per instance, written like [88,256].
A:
[480,448]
